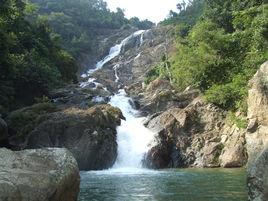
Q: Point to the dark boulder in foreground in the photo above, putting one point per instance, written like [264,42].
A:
[38,175]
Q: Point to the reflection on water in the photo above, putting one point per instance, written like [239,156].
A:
[165,185]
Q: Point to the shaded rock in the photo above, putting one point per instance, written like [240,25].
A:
[89,134]
[21,122]
[257,137]
[74,95]
[3,130]
[211,152]
[38,175]
[159,156]
[258,178]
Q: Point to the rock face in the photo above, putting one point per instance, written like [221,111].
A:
[38,175]
[258,178]
[193,133]
[257,135]
[89,134]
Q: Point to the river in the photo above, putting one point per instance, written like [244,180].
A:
[164,185]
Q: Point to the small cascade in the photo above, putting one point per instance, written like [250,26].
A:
[115,72]
[133,137]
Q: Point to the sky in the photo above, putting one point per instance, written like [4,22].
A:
[153,10]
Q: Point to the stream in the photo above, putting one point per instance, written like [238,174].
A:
[128,181]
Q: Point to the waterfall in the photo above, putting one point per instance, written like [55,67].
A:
[133,137]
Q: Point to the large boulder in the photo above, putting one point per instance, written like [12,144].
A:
[38,175]
[258,178]
[257,135]
[89,134]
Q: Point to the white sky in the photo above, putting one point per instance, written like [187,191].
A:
[153,10]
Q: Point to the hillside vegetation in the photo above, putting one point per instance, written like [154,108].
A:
[31,62]
[220,45]
[76,23]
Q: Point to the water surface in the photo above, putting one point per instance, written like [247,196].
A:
[165,185]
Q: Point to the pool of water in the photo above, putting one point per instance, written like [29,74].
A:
[164,185]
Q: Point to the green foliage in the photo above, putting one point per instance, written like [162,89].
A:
[187,16]
[31,61]
[145,24]
[43,99]
[238,121]
[77,22]
[159,71]
[222,51]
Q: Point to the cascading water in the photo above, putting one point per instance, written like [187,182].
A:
[114,52]
[133,137]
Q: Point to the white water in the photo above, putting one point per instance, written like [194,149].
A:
[114,52]
[133,137]
[116,73]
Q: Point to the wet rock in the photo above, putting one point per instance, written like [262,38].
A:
[38,175]
[160,96]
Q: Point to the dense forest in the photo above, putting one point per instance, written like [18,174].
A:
[31,61]
[77,23]
[40,41]
[220,45]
